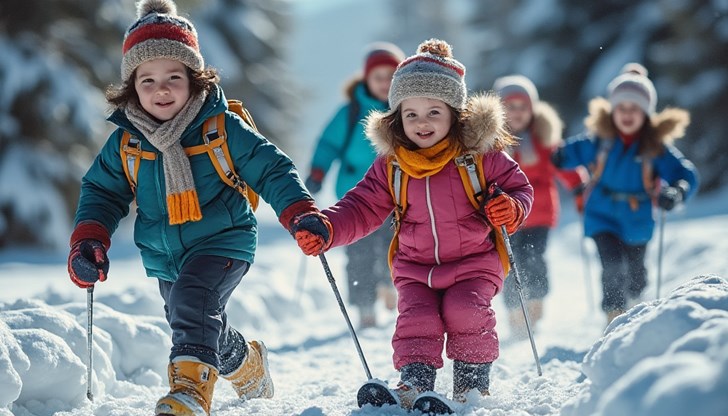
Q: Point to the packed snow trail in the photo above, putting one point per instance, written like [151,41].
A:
[313,360]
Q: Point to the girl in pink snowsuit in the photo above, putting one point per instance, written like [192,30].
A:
[445,267]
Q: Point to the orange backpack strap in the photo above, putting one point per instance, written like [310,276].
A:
[131,156]
[470,167]
[215,145]
[398,181]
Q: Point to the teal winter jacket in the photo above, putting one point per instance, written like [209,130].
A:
[228,226]
[358,155]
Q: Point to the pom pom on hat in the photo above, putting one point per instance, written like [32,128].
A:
[516,86]
[431,73]
[159,33]
[634,68]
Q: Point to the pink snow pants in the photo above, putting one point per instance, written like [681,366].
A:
[462,311]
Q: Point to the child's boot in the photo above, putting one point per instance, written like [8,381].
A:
[191,384]
[252,379]
[415,379]
[468,377]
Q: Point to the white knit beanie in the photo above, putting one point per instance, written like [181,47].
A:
[633,87]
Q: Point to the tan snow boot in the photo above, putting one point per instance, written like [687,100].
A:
[252,379]
[191,384]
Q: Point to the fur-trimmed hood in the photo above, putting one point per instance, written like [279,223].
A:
[666,126]
[483,127]
[547,125]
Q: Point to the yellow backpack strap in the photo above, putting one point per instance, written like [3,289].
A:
[398,181]
[131,156]
[470,167]
[215,145]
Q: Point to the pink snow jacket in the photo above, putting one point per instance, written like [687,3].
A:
[442,239]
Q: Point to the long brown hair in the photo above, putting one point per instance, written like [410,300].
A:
[395,126]
[200,81]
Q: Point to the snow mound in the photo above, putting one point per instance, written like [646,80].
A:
[43,353]
[666,357]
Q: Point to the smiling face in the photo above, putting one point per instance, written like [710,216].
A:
[163,87]
[628,117]
[379,80]
[426,121]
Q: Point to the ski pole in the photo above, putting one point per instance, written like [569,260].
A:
[659,250]
[330,277]
[89,340]
[587,267]
[516,276]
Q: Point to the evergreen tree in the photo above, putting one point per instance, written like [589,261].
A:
[59,56]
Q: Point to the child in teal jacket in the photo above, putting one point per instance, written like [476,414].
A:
[196,234]
[344,139]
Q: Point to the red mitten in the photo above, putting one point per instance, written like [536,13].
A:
[504,210]
[87,261]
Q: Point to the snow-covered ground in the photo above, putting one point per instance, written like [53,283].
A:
[667,356]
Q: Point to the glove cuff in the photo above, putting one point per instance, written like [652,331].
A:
[91,230]
[304,206]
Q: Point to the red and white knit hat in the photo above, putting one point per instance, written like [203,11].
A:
[382,53]
[431,73]
[160,33]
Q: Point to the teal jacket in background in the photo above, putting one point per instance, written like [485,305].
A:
[228,227]
[359,155]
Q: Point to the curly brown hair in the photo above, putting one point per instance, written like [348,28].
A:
[200,81]
[394,124]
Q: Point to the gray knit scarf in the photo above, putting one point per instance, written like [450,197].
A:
[166,138]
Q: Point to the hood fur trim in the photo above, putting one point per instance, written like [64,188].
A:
[483,127]
[667,126]
[547,125]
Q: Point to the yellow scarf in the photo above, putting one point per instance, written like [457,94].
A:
[426,162]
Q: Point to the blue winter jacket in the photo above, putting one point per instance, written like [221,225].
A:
[359,155]
[608,207]
[228,226]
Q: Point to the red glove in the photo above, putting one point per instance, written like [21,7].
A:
[312,233]
[311,229]
[504,210]
[87,262]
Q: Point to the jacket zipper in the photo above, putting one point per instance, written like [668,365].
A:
[434,230]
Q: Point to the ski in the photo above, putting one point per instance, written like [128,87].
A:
[431,403]
[376,393]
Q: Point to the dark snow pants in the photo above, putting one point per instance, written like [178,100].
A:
[529,249]
[623,270]
[368,266]
[194,306]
